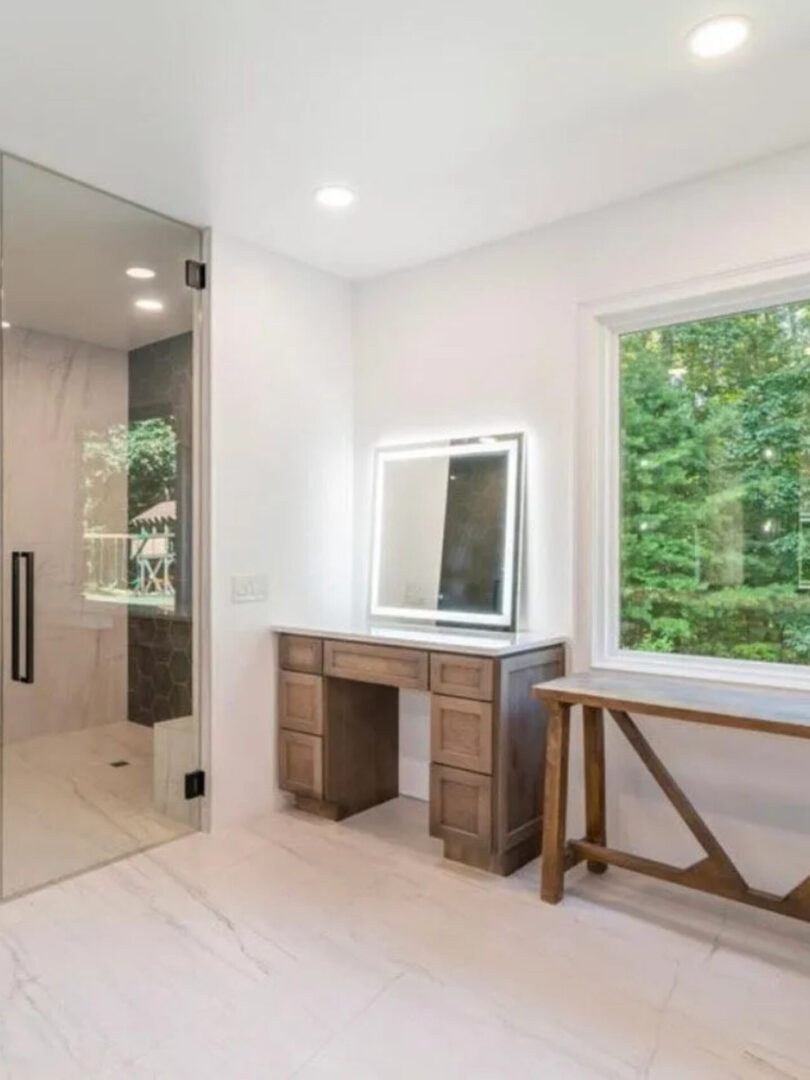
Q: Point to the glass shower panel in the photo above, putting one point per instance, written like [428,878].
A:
[98,365]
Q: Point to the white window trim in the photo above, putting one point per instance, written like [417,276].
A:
[599,459]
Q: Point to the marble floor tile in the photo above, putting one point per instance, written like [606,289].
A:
[66,809]
[298,948]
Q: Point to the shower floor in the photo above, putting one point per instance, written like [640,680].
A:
[66,807]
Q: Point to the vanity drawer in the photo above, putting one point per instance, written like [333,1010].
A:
[386,664]
[461,805]
[300,763]
[462,676]
[300,705]
[461,733]
[301,653]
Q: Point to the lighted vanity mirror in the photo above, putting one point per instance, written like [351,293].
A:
[446,532]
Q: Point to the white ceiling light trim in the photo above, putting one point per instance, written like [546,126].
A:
[719,36]
[334,197]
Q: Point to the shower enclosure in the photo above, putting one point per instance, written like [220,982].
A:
[98,371]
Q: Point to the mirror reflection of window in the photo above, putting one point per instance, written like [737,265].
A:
[446,532]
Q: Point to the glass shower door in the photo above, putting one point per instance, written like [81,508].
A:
[98,698]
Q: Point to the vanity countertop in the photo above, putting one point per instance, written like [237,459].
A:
[436,639]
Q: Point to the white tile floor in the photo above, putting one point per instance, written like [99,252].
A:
[295,947]
[65,808]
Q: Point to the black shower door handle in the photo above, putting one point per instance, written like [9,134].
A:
[22,616]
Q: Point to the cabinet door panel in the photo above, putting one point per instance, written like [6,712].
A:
[301,702]
[300,762]
[301,653]
[385,664]
[460,805]
[461,733]
[462,676]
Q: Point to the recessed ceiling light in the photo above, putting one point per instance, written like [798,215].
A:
[147,304]
[719,36]
[334,197]
[6,325]
[140,273]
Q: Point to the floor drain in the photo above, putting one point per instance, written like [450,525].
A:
[118,764]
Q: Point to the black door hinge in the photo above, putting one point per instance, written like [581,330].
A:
[195,274]
[195,784]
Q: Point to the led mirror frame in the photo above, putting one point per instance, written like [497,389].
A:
[512,447]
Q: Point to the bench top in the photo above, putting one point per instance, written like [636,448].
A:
[759,708]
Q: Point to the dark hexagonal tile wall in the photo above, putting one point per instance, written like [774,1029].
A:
[159,668]
[160,384]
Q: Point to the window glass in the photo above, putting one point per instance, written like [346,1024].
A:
[138,563]
[715,487]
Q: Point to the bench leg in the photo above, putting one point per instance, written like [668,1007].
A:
[556,803]
[593,742]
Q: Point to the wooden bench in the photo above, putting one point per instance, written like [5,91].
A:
[747,708]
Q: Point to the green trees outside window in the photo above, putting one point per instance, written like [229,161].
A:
[130,512]
[715,487]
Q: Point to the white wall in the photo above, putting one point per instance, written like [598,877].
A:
[464,347]
[281,498]
[487,341]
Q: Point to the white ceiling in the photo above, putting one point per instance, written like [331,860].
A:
[457,121]
[66,249]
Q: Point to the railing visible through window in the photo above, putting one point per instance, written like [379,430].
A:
[130,473]
[137,566]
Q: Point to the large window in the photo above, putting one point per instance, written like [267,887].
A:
[130,513]
[715,487]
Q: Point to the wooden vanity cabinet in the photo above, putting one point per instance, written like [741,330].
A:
[339,737]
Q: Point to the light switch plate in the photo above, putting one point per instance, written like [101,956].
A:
[249,588]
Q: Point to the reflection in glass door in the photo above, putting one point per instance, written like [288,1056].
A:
[98,365]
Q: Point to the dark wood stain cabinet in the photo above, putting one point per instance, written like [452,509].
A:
[338,742]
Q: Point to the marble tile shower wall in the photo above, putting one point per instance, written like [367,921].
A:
[57,393]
